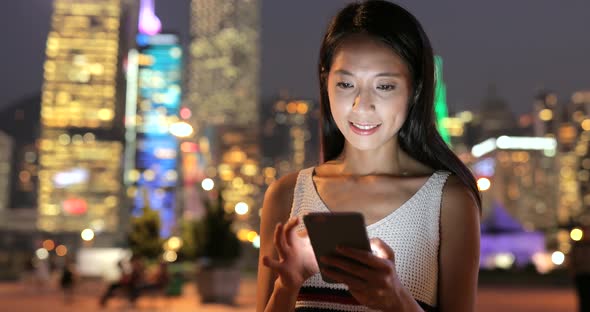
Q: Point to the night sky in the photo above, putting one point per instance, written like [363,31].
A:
[519,46]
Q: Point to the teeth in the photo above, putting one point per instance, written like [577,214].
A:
[364,127]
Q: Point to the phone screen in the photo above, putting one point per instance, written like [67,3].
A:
[328,230]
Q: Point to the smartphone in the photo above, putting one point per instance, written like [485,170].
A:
[327,230]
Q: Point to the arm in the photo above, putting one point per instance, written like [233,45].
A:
[459,248]
[275,209]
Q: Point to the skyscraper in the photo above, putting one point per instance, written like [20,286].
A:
[523,177]
[290,137]
[223,83]
[80,141]
[545,114]
[580,116]
[222,89]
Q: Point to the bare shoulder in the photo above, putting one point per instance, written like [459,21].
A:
[457,199]
[279,198]
[282,190]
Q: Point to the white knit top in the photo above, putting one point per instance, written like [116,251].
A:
[412,231]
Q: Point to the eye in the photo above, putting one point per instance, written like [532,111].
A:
[386,87]
[344,85]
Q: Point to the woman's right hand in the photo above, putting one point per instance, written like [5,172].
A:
[296,261]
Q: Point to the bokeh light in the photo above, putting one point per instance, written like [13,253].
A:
[576,234]
[207,184]
[558,258]
[483,184]
[241,208]
[87,234]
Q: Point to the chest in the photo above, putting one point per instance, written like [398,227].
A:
[374,198]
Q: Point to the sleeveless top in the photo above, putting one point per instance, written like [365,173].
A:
[412,231]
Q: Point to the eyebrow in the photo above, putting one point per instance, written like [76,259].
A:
[386,74]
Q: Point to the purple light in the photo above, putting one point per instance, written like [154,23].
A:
[149,23]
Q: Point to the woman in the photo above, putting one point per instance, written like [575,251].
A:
[384,158]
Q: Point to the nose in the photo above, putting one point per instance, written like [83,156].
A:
[363,102]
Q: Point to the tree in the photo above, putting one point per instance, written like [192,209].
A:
[144,237]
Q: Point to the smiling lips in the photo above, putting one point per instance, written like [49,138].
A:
[363,129]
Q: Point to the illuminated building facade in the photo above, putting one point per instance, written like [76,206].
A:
[6,148]
[80,144]
[222,91]
[523,177]
[580,119]
[155,176]
[545,114]
[222,84]
[290,137]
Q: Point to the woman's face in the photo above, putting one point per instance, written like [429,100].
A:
[368,88]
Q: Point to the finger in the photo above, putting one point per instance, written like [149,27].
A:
[353,268]
[341,277]
[383,250]
[290,226]
[271,263]
[365,257]
[277,241]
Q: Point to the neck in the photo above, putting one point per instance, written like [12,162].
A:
[388,159]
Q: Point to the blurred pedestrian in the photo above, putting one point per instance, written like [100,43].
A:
[67,280]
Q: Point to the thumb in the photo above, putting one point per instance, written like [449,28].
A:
[382,250]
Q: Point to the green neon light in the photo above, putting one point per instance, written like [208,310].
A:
[440,99]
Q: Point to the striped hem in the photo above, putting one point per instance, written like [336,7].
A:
[316,299]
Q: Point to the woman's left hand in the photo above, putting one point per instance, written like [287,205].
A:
[371,279]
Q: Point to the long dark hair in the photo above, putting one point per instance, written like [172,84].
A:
[398,29]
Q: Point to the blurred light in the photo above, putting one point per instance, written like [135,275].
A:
[241,208]
[256,242]
[243,234]
[133,175]
[546,114]
[483,148]
[504,260]
[87,234]
[207,184]
[181,129]
[292,107]
[557,258]
[526,143]
[105,114]
[251,236]
[483,184]
[542,262]
[302,108]
[149,175]
[586,124]
[170,256]
[61,250]
[188,147]
[185,113]
[149,23]
[174,243]
[48,244]
[42,253]
[466,116]
[250,169]
[576,234]
[270,172]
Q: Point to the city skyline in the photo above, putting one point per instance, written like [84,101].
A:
[520,55]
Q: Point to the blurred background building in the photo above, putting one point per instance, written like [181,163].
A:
[222,92]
